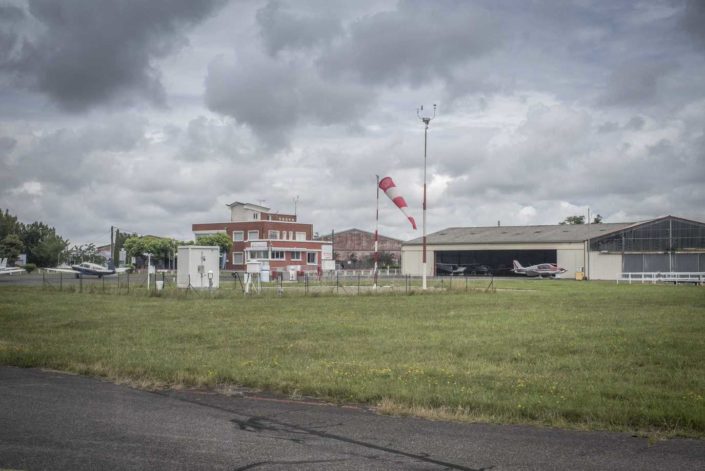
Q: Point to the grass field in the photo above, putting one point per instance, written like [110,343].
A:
[584,355]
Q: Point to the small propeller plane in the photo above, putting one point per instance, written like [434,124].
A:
[542,270]
[5,270]
[450,269]
[92,269]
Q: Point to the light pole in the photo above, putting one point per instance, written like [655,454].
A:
[426,120]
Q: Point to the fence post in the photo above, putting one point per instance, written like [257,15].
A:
[466,284]
[61,281]
[80,284]
[358,284]
[337,285]
[103,285]
[128,282]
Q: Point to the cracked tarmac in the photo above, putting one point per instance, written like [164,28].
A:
[59,421]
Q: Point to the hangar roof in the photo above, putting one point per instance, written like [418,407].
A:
[520,234]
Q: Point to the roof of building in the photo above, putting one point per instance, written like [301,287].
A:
[521,234]
[338,233]
[255,207]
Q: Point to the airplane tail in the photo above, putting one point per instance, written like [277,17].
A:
[517,265]
[3,262]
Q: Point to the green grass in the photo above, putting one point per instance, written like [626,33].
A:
[586,355]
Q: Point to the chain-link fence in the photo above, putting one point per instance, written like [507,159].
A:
[235,284]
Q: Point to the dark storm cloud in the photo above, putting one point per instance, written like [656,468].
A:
[85,52]
[7,144]
[273,97]
[413,44]
[693,21]
[635,84]
[281,29]
[70,159]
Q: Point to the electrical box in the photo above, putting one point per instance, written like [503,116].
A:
[198,267]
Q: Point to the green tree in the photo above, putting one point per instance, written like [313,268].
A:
[220,239]
[597,220]
[40,241]
[42,244]
[8,224]
[119,243]
[573,220]
[161,248]
[11,247]
[49,250]
[385,259]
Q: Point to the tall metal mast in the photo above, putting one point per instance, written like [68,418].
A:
[426,121]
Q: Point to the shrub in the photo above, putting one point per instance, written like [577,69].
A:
[30,267]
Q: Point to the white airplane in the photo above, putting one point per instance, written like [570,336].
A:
[5,270]
[88,268]
[542,269]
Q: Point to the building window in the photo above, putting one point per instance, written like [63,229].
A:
[311,258]
[255,215]
[277,255]
[257,255]
[252,235]
[295,256]
[273,235]
[300,236]
[238,236]
[238,258]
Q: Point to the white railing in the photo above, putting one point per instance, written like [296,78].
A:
[663,277]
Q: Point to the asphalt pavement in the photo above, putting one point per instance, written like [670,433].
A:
[51,420]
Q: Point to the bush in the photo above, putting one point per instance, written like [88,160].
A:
[30,267]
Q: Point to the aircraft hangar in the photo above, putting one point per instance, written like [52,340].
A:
[601,251]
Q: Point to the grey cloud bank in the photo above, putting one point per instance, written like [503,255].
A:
[153,115]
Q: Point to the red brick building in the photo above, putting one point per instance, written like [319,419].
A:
[279,239]
[362,245]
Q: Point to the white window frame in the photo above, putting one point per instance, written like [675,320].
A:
[249,237]
[296,256]
[273,232]
[315,258]
[242,255]
[278,252]
[264,252]
[242,236]
[300,236]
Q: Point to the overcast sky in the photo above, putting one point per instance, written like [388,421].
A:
[151,115]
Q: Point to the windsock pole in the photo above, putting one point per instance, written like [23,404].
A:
[376,235]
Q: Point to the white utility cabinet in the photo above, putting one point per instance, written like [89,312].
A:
[198,267]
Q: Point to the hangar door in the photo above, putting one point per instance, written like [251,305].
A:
[498,262]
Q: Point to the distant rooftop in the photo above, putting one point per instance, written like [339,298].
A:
[256,207]
[519,234]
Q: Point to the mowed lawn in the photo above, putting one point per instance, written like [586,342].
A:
[586,355]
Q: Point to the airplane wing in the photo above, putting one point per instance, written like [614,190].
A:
[12,271]
[123,269]
[61,270]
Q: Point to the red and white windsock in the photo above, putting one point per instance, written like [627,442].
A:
[390,189]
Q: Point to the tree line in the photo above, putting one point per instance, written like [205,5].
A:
[45,248]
